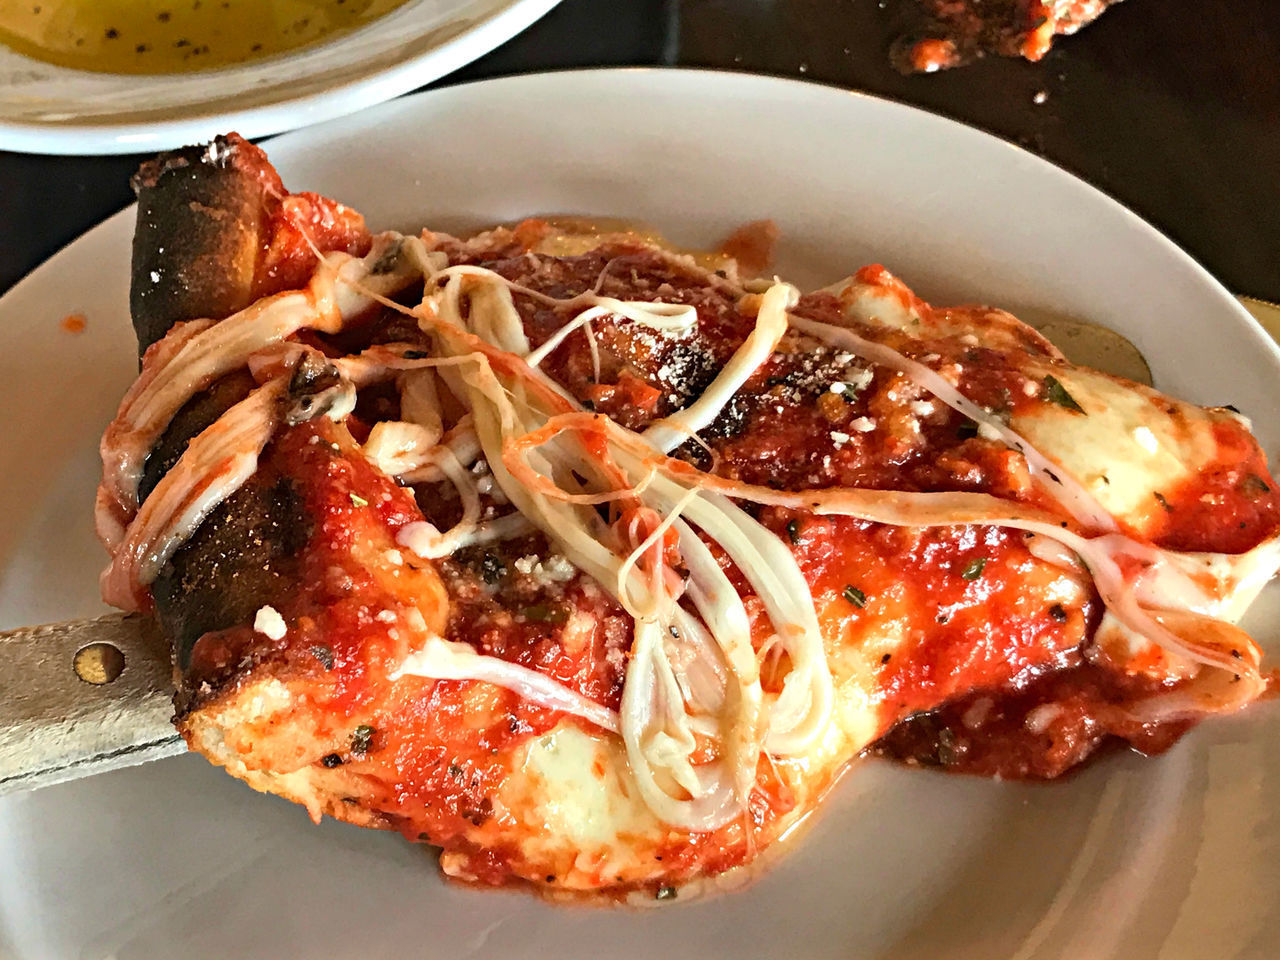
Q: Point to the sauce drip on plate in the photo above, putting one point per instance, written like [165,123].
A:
[174,36]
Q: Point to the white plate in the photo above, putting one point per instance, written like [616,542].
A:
[50,109]
[1176,858]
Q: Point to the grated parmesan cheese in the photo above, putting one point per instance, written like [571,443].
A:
[269,623]
[1039,719]
[555,569]
[1146,439]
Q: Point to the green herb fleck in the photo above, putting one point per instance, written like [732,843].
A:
[855,596]
[324,655]
[358,501]
[967,430]
[1162,501]
[793,531]
[665,893]
[1055,392]
[331,760]
[973,569]
[362,739]
[546,613]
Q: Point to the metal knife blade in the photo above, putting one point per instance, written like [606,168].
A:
[83,697]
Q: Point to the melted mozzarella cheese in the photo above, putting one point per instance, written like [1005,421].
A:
[1130,443]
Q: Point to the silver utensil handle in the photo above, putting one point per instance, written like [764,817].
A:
[83,697]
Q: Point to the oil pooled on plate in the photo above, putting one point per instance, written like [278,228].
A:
[174,36]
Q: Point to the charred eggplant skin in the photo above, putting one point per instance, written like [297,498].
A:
[202,217]
[198,235]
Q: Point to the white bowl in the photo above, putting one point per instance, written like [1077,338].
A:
[50,109]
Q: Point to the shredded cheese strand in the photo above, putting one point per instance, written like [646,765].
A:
[216,349]
[659,316]
[771,325]
[656,728]
[215,464]
[423,538]
[440,659]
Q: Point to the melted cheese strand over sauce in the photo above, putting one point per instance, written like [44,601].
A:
[660,316]
[214,465]
[440,659]
[771,324]
[216,349]
[428,542]
[693,671]
[1100,554]
[657,728]
[660,756]
[718,604]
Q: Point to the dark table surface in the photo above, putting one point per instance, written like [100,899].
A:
[1171,106]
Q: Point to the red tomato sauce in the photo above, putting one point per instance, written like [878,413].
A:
[1230,507]
[964,597]
[570,631]
[1037,731]
[294,225]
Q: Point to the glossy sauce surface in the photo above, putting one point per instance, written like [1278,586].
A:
[174,36]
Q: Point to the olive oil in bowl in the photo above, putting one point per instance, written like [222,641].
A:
[174,36]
